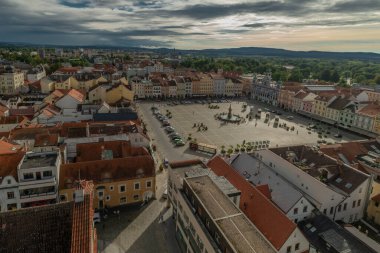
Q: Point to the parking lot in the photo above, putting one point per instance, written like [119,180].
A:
[184,116]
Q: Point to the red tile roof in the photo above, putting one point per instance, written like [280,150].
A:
[119,149]
[119,169]
[82,231]
[271,222]
[9,163]
[76,95]
[45,139]
[264,189]
[7,147]
[28,111]
[376,198]
[370,110]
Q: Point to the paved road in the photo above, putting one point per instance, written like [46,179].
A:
[159,138]
[138,229]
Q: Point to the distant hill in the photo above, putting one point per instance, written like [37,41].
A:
[274,52]
[225,52]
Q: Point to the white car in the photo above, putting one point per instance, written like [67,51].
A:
[96,218]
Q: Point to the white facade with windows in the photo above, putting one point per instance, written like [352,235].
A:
[347,205]
[9,194]
[38,175]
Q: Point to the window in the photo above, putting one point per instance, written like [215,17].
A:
[123,200]
[9,181]
[331,210]
[108,198]
[47,173]
[289,249]
[295,210]
[324,211]
[137,186]
[100,194]
[305,209]
[359,201]
[28,176]
[136,197]
[62,198]
[10,195]
[345,207]
[354,204]
[111,188]
[339,208]
[148,184]
[122,188]
[297,247]
[11,207]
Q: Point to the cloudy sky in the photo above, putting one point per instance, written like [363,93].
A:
[331,25]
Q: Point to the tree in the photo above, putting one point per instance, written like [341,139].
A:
[334,77]
[325,75]
[377,79]
[296,76]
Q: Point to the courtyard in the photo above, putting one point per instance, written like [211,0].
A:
[186,119]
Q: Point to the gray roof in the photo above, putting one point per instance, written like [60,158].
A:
[321,232]
[284,194]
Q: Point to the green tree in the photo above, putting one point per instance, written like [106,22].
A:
[325,75]
[334,77]
[295,76]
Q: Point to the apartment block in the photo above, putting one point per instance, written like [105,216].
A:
[206,212]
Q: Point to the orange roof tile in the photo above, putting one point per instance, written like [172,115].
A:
[9,163]
[118,169]
[376,198]
[119,149]
[76,95]
[7,147]
[82,218]
[258,208]
[264,189]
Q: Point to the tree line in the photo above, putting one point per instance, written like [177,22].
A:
[282,69]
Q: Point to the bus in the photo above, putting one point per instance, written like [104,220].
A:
[202,147]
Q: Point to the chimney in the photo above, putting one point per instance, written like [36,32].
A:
[79,196]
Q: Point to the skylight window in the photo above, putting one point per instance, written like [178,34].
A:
[338,180]
[348,185]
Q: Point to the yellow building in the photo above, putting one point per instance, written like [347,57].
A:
[111,93]
[121,174]
[373,209]
[206,85]
[69,83]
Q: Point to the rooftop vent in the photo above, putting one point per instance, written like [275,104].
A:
[348,185]
[79,196]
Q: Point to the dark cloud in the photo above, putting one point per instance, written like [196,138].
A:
[215,11]
[75,3]
[355,6]
[256,25]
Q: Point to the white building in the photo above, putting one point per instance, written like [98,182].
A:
[336,189]
[206,213]
[219,84]
[38,176]
[284,194]
[35,74]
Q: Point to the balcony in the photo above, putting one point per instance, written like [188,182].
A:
[38,197]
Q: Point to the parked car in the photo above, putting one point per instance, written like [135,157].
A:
[176,138]
[290,117]
[337,135]
[165,123]
[173,134]
[179,143]
[96,218]
[169,129]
